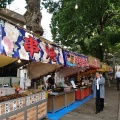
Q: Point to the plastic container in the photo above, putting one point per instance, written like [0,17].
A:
[67,89]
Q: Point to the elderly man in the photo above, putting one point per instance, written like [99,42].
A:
[117,77]
[98,88]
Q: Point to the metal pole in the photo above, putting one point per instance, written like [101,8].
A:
[114,65]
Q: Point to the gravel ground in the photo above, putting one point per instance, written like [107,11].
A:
[87,110]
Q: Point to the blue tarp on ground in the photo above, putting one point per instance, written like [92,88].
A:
[57,115]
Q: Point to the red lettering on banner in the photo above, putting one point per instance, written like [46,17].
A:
[81,62]
[31,45]
[94,62]
[85,62]
[77,61]
[51,54]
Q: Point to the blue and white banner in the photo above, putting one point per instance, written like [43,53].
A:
[74,60]
[18,43]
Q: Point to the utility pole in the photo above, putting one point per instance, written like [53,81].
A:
[114,61]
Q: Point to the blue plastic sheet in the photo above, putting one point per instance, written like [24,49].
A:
[57,115]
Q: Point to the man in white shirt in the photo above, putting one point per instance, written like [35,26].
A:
[117,77]
[98,88]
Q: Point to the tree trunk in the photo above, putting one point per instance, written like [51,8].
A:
[99,52]
[33,17]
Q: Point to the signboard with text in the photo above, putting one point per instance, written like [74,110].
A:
[75,60]
[18,43]
[94,62]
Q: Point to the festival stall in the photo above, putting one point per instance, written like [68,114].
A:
[94,64]
[39,57]
[73,64]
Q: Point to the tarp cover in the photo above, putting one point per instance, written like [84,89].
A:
[37,69]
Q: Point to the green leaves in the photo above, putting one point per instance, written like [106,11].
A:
[83,29]
[101,17]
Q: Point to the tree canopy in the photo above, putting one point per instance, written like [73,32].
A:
[4,3]
[92,29]
[84,29]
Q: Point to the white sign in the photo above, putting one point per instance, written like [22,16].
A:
[36,97]
[41,96]
[28,100]
[20,103]
[33,99]
[7,107]
[14,105]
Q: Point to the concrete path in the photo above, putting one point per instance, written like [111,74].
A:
[87,110]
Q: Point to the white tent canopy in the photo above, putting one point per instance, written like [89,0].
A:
[37,69]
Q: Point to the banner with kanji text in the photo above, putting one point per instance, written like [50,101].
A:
[75,60]
[18,43]
[94,62]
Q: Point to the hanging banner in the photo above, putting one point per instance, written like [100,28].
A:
[94,62]
[18,43]
[105,68]
[75,60]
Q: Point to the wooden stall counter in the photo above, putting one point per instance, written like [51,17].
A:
[31,107]
[57,101]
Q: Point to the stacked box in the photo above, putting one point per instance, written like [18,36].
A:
[16,104]
[2,108]
[19,116]
[31,113]
[12,105]
[42,110]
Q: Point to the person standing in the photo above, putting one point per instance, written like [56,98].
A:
[98,88]
[117,77]
[51,82]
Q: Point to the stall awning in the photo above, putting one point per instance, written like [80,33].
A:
[11,69]
[67,71]
[4,60]
[105,68]
[37,69]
